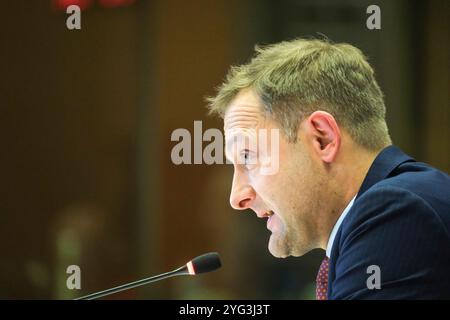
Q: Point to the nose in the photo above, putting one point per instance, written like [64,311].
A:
[242,194]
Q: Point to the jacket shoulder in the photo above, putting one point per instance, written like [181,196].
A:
[398,231]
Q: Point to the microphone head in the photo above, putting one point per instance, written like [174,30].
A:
[205,263]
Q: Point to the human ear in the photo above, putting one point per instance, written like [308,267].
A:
[325,135]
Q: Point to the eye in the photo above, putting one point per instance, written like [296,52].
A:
[247,159]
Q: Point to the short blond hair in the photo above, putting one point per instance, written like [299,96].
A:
[295,78]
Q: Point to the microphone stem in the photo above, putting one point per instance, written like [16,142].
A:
[178,272]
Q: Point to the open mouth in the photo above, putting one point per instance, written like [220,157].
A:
[269,215]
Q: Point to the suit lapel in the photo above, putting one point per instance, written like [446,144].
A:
[386,161]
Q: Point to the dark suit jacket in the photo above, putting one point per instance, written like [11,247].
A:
[400,222]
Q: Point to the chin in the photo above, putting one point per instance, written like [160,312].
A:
[277,254]
[277,249]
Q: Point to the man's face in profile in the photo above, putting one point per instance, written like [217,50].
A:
[289,196]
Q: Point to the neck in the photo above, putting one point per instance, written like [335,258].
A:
[349,172]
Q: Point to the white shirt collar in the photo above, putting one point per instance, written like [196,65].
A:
[336,227]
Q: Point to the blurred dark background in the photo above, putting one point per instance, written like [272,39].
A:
[86,119]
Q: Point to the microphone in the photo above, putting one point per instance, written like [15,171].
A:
[205,263]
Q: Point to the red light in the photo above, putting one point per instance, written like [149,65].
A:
[63,4]
[84,4]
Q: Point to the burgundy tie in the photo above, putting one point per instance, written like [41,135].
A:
[322,280]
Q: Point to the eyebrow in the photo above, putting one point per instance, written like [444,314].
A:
[233,140]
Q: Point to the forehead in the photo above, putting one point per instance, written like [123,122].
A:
[243,122]
[244,112]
